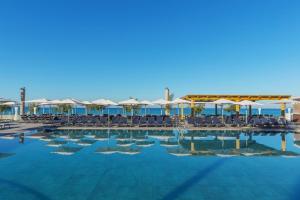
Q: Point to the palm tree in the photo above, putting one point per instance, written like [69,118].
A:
[65,108]
[231,109]
[198,109]
[169,106]
[99,108]
[134,109]
[32,106]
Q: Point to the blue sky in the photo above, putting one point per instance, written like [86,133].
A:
[121,48]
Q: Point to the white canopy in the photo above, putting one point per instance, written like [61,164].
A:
[52,102]
[100,102]
[104,102]
[248,103]
[146,103]
[111,103]
[285,101]
[223,101]
[9,103]
[86,103]
[180,101]
[161,102]
[129,102]
[71,101]
[38,101]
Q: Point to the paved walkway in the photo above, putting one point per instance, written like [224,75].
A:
[20,127]
[172,128]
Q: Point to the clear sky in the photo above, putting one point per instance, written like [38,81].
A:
[120,48]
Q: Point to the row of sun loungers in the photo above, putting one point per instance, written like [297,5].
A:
[104,121]
[234,121]
[5,125]
[157,121]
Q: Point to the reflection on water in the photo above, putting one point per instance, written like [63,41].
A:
[125,164]
[4,155]
[184,143]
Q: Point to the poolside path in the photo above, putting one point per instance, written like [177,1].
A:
[21,127]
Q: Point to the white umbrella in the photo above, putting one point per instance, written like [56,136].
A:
[10,104]
[179,101]
[71,102]
[38,101]
[111,103]
[248,103]
[52,102]
[104,103]
[161,102]
[285,101]
[41,102]
[86,103]
[223,102]
[146,103]
[130,102]
[100,102]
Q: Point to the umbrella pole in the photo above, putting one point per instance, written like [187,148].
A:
[246,115]
[222,114]
[131,115]
[108,117]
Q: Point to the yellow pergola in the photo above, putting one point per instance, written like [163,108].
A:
[213,97]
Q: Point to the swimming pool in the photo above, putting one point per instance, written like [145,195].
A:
[126,164]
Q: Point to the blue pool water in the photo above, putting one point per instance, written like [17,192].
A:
[34,171]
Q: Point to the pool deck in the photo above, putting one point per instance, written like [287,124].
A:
[23,127]
[187,128]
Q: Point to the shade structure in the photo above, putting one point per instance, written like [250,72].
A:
[248,103]
[285,101]
[111,103]
[9,103]
[104,103]
[223,102]
[71,102]
[53,102]
[38,101]
[100,102]
[86,103]
[130,102]
[146,103]
[161,102]
[180,101]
